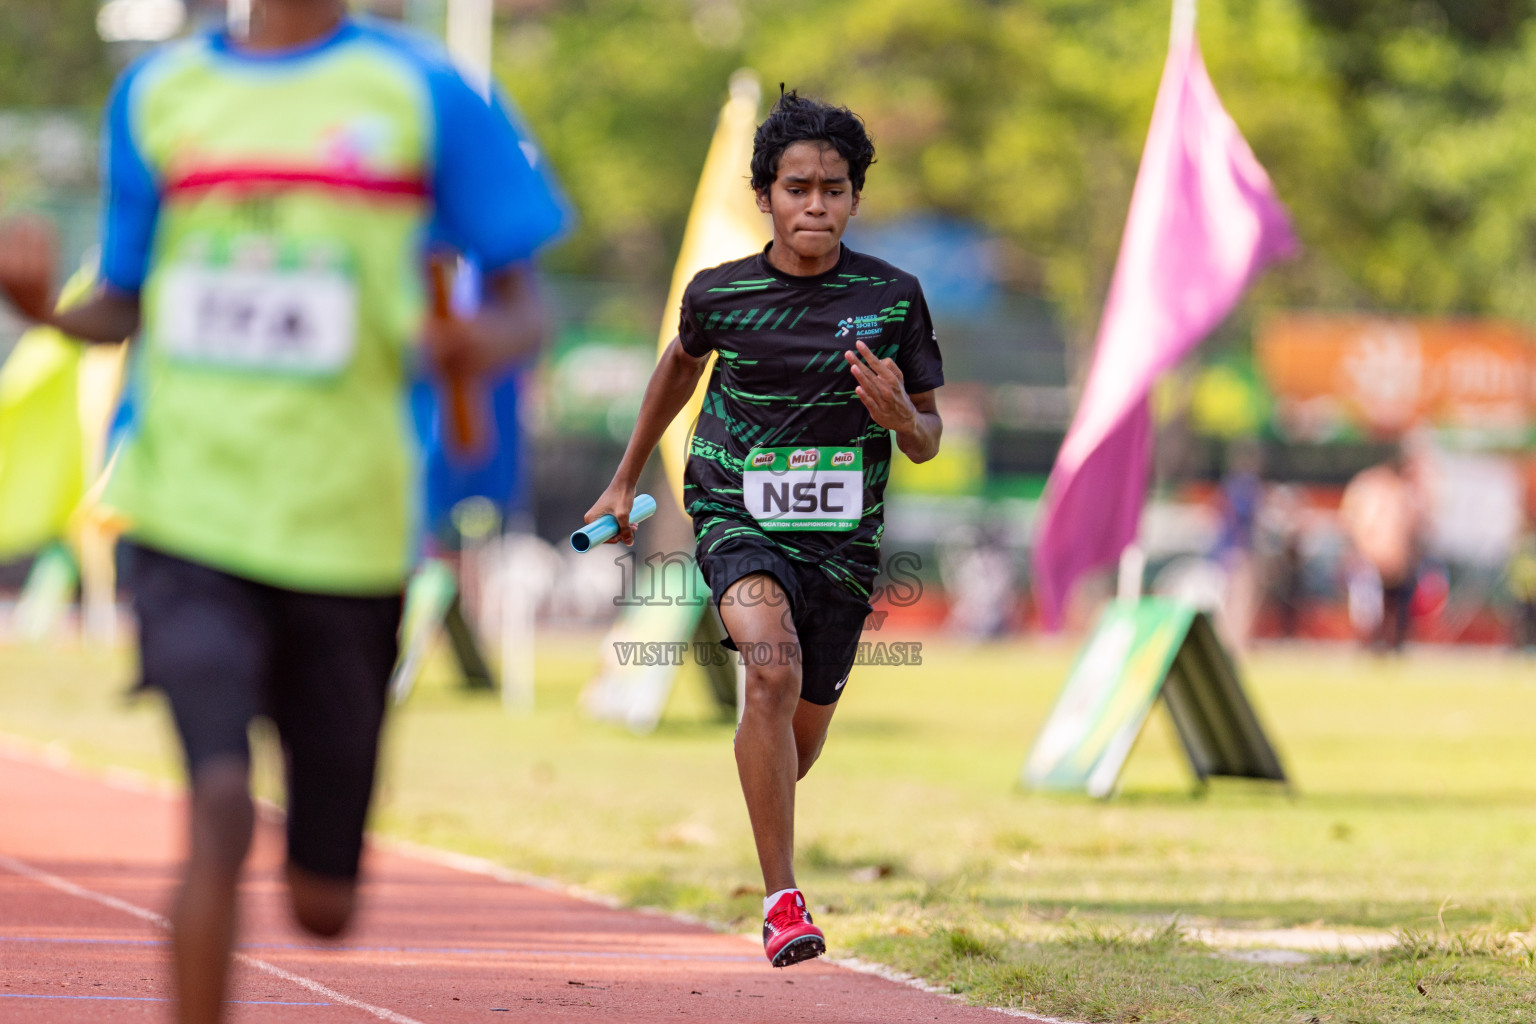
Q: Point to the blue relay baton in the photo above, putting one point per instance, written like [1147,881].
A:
[607,527]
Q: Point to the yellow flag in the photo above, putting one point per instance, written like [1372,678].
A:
[41,470]
[724,224]
[55,398]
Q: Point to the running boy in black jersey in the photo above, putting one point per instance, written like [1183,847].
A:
[822,353]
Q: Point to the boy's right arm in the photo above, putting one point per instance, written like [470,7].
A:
[672,383]
[27,247]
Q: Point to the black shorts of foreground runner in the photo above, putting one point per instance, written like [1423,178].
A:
[226,650]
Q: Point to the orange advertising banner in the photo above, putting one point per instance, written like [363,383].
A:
[1333,374]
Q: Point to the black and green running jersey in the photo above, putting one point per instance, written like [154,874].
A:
[782,436]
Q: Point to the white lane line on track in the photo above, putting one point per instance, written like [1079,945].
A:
[64,885]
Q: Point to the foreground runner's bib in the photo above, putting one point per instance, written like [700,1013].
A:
[267,309]
[807,488]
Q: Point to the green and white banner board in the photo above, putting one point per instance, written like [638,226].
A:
[1140,651]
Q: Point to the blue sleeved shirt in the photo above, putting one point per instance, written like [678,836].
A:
[494,199]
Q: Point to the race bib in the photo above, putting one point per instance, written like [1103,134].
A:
[290,320]
[804,488]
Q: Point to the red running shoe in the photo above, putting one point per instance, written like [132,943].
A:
[788,934]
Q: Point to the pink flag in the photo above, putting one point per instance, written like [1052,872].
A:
[1204,220]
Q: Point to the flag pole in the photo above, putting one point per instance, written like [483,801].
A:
[1183,28]
[470,26]
[1133,558]
[1133,565]
[238,17]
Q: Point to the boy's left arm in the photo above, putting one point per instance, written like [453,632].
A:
[881,387]
[920,442]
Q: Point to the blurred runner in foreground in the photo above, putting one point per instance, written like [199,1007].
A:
[266,204]
[822,353]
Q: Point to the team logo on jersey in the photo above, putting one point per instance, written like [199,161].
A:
[361,142]
[842,459]
[805,458]
[762,459]
[865,325]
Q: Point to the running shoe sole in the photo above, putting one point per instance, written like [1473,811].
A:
[806,947]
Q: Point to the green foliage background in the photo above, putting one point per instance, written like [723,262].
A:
[1399,132]
[50,55]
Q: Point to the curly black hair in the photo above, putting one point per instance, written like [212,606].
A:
[798,119]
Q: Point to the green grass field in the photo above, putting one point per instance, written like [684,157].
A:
[1414,810]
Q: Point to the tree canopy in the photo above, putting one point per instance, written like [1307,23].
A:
[50,55]
[1397,133]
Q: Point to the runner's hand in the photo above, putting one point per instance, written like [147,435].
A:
[457,347]
[616,501]
[28,249]
[880,388]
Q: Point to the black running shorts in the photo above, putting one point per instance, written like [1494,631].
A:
[226,649]
[827,618]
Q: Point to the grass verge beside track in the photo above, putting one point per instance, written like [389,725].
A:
[1415,811]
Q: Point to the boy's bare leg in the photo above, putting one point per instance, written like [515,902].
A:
[204,916]
[321,905]
[811,721]
[780,735]
[754,612]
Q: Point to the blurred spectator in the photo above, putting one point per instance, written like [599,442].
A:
[1520,580]
[1240,501]
[1381,515]
[1287,564]
[976,567]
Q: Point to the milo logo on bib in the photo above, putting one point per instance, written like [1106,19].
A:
[804,488]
